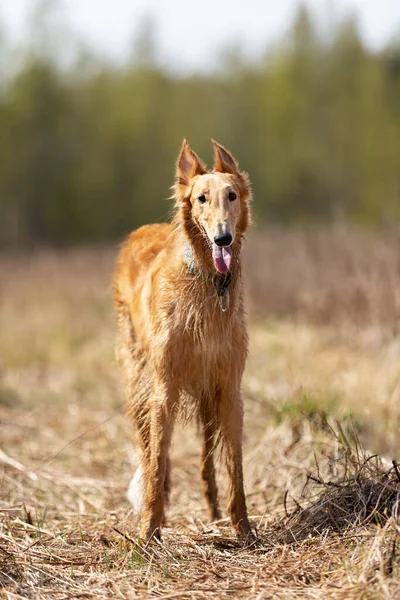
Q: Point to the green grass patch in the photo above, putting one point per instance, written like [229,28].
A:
[308,406]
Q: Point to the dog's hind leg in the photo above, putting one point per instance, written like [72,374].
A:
[207,469]
[167,488]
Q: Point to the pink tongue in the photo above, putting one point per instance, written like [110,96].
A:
[222,258]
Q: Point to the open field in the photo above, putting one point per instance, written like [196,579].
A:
[322,394]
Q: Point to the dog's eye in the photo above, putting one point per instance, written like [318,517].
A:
[201,199]
[232,196]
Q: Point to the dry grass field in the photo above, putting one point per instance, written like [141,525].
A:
[322,392]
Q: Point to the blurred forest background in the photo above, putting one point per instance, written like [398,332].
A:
[88,146]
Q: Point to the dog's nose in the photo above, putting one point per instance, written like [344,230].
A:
[223,239]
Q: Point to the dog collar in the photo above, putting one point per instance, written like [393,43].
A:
[220,283]
[189,259]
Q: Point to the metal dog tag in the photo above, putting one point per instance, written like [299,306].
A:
[224,300]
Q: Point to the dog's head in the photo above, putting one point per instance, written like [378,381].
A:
[215,204]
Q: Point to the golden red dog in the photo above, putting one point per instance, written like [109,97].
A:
[179,296]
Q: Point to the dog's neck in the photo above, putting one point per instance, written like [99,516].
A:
[220,282]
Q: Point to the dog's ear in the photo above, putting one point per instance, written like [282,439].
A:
[224,161]
[188,165]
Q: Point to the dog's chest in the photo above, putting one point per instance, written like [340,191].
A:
[207,351]
[203,364]
[207,340]
[202,342]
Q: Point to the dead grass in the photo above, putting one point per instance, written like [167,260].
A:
[326,513]
[326,276]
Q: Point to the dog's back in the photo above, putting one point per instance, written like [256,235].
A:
[135,259]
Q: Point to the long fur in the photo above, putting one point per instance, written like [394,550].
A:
[181,354]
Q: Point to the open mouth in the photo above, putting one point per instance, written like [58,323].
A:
[222,256]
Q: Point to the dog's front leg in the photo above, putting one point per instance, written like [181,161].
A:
[162,417]
[207,468]
[231,420]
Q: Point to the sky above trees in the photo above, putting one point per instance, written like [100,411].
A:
[88,152]
[190,35]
